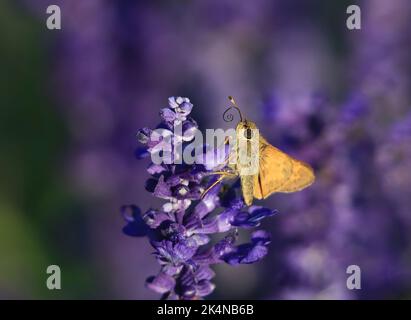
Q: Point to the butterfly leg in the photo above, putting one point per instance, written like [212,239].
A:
[221,172]
[224,174]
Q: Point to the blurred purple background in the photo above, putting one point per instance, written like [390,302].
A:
[73,100]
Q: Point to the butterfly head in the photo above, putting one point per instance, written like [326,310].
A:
[246,124]
[247,128]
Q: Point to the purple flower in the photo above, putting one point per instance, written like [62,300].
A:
[250,252]
[180,231]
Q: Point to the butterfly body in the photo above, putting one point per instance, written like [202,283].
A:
[246,157]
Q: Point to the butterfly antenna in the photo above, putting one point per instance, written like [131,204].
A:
[229,117]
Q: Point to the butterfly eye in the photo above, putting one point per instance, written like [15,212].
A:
[248,134]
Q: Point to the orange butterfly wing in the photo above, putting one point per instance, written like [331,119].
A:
[302,177]
[278,172]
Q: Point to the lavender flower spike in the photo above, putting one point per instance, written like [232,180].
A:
[180,231]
